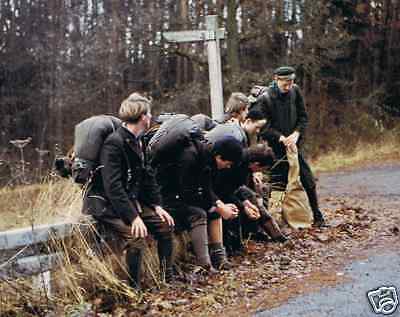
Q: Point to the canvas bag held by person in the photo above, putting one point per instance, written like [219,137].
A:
[293,203]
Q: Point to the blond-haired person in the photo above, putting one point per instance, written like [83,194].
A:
[133,196]
[237,107]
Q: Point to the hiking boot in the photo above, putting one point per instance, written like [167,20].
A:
[218,257]
[319,220]
[205,270]
[320,223]
[168,276]
[273,230]
[260,237]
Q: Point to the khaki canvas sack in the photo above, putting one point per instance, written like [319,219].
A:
[293,204]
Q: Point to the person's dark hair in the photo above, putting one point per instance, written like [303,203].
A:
[255,115]
[260,153]
[229,149]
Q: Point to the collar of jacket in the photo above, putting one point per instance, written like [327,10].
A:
[131,140]
[276,91]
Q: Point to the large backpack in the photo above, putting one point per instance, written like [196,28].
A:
[255,92]
[157,122]
[227,129]
[173,135]
[89,137]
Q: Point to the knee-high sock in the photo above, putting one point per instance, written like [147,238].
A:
[199,238]
[165,247]
[134,263]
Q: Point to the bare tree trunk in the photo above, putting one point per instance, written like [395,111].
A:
[182,70]
[232,40]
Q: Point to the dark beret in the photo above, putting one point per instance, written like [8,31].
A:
[229,148]
[255,114]
[285,72]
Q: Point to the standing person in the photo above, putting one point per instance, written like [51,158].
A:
[129,187]
[186,188]
[283,107]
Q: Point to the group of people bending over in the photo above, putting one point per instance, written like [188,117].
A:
[207,185]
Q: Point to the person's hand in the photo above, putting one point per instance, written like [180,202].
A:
[138,229]
[258,178]
[251,210]
[227,211]
[282,139]
[165,216]
[292,148]
[292,139]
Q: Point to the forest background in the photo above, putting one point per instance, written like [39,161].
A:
[64,60]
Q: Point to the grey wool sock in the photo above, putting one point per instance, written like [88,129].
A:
[200,244]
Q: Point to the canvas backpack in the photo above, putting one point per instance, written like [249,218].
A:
[173,136]
[89,137]
[255,92]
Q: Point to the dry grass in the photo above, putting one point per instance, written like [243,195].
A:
[386,150]
[90,270]
[52,201]
[85,274]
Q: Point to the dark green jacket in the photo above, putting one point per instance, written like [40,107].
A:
[285,113]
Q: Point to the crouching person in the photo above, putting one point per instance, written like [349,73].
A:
[256,218]
[186,187]
[235,186]
[133,199]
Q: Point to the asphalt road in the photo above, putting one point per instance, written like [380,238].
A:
[349,299]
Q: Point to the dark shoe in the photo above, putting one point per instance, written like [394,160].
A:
[320,224]
[260,237]
[319,220]
[281,239]
[219,259]
[168,276]
[273,230]
[206,270]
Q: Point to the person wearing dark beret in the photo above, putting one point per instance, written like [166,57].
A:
[188,194]
[283,106]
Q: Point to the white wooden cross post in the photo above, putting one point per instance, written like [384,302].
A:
[211,35]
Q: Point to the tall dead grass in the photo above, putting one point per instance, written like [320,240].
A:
[387,148]
[88,269]
[52,201]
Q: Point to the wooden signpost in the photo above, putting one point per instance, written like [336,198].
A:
[212,35]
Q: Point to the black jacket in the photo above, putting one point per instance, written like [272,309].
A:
[126,178]
[189,178]
[285,113]
[231,184]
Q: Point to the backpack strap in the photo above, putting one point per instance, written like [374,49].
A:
[129,172]
[267,96]
[293,93]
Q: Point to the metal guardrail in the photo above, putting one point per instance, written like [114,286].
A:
[27,252]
